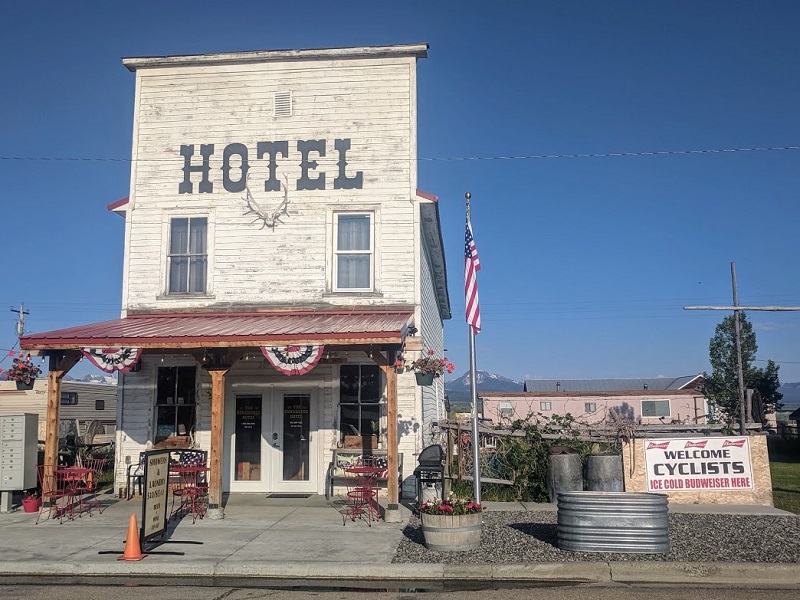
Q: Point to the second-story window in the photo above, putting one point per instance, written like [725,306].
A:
[353,252]
[188,255]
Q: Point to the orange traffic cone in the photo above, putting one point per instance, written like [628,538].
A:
[133,550]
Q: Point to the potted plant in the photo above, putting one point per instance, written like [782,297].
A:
[451,525]
[23,371]
[427,368]
[31,502]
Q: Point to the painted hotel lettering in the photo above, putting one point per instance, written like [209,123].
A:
[270,150]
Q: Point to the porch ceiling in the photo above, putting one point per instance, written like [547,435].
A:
[195,330]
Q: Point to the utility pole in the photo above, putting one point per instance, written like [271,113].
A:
[737,334]
[21,312]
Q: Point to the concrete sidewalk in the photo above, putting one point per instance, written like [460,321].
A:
[290,543]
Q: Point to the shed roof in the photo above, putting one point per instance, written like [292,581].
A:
[610,385]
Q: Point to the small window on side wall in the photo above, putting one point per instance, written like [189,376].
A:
[69,398]
[545,406]
[590,407]
[99,404]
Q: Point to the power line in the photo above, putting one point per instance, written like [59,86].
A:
[441,158]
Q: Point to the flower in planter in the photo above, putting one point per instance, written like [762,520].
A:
[450,506]
[428,365]
[22,369]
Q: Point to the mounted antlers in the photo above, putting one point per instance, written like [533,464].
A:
[267,219]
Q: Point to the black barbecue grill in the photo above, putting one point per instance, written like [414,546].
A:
[430,469]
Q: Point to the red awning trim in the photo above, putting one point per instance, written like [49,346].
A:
[294,359]
[198,330]
[113,359]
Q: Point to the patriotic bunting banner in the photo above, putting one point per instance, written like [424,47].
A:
[113,359]
[293,360]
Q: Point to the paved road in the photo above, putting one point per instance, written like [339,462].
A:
[77,592]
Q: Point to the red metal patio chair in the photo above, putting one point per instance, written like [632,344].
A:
[53,492]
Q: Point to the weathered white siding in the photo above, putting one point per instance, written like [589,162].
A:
[432,408]
[368,101]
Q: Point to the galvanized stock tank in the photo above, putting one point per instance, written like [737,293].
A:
[634,522]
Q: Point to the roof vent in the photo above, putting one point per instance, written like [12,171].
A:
[283,104]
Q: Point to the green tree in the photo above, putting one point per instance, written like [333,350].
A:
[722,386]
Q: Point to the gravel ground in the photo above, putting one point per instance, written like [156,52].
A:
[518,537]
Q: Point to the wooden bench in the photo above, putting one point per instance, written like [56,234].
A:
[344,457]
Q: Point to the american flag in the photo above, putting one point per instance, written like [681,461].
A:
[471,266]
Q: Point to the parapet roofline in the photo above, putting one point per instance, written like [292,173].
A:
[420,50]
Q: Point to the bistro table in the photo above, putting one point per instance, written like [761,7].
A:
[192,488]
[362,493]
[73,480]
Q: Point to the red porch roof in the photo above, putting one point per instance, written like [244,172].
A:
[187,330]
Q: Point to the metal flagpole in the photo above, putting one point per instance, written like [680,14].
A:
[473,387]
[473,391]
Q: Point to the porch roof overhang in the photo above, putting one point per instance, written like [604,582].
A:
[198,330]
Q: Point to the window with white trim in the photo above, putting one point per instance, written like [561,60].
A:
[655,408]
[589,407]
[505,410]
[545,406]
[359,400]
[175,402]
[353,252]
[187,259]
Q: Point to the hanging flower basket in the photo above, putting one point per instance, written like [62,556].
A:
[427,368]
[23,372]
[424,378]
[21,385]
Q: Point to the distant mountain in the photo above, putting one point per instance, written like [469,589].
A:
[791,395]
[486,382]
[104,379]
[457,390]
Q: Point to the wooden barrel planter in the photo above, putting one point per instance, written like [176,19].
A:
[452,533]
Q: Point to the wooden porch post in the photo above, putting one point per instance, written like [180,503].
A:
[393,514]
[60,364]
[215,509]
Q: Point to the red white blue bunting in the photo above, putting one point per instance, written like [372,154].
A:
[293,360]
[113,359]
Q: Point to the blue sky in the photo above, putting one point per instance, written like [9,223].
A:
[587,262]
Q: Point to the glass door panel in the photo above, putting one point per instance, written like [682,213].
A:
[247,445]
[296,437]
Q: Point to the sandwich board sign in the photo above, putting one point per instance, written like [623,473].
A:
[154,498]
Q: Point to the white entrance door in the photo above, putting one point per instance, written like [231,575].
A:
[273,442]
[293,440]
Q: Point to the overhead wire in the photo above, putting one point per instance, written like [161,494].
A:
[443,158]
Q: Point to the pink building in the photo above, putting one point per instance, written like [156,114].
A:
[646,401]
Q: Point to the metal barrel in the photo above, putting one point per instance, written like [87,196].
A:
[613,522]
[564,474]
[604,473]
